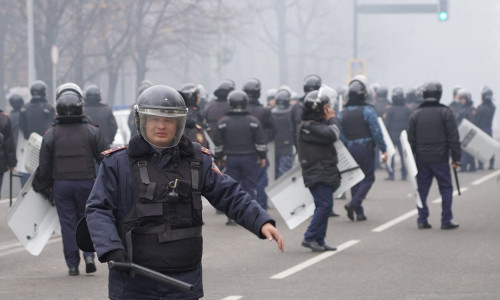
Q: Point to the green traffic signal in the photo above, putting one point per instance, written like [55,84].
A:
[443,16]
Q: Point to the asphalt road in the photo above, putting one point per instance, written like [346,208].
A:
[385,257]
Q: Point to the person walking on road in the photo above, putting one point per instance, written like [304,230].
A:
[433,137]
[146,204]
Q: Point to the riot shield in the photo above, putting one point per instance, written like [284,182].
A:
[410,165]
[477,142]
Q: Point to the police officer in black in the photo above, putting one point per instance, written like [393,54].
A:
[7,146]
[468,112]
[283,142]
[263,114]
[100,113]
[433,137]
[17,102]
[146,204]
[396,120]
[69,151]
[218,107]
[311,83]
[484,119]
[241,143]
[318,159]
[194,130]
[455,102]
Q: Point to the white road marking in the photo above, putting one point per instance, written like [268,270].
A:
[395,221]
[485,178]
[314,260]
[18,247]
[233,298]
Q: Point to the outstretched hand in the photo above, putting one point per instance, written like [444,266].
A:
[271,233]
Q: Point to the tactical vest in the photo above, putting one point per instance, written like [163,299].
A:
[354,126]
[283,122]
[73,152]
[162,230]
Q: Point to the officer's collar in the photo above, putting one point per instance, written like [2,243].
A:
[139,147]
[237,113]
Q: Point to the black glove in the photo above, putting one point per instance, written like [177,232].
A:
[117,255]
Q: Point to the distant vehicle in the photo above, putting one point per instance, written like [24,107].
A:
[123,133]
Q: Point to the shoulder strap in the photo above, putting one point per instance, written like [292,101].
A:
[196,167]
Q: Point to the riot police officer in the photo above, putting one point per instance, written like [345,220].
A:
[7,146]
[318,159]
[433,137]
[17,102]
[283,142]
[241,139]
[484,119]
[396,119]
[311,83]
[194,130]
[263,114]
[146,204]
[468,112]
[68,154]
[455,102]
[360,132]
[218,108]
[100,113]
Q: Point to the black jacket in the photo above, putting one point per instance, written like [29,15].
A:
[263,114]
[36,116]
[396,119]
[485,114]
[317,155]
[7,145]
[433,133]
[102,115]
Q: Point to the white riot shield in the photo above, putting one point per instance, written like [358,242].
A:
[391,150]
[477,142]
[32,219]
[411,166]
[291,198]
[32,154]
[349,170]
[22,143]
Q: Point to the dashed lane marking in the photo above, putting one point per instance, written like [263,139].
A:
[233,298]
[485,178]
[314,260]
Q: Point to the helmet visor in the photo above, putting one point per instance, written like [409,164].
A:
[162,128]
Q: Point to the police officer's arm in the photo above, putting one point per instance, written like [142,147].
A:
[226,195]
[112,126]
[98,143]
[219,138]
[23,126]
[43,180]
[260,141]
[452,137]
[370,116]
[411,132]
[269,125]
[319,133]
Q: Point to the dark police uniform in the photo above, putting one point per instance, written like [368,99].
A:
[433,136]
[240,137]
[283,142]
[130,207]
[36,116]
[67,165]
[7,146]
[484,120]
[102,115]
[468,112]
[193,130]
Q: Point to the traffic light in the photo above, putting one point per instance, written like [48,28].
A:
[443,10]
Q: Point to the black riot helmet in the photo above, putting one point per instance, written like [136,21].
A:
[486,94]
[69,100]
[160,103]
[283,97]
[432,91]
[314,103]
[92,94]
[238,100]
[357,92]
[190,93]
[38,90]
[382,92]
[252,88]
[465,94]
[16,101]
[224,88]
[398,96]
[312,83]
[143,86]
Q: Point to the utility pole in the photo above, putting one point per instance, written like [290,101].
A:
[31,43]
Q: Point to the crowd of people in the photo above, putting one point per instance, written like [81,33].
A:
[142,200]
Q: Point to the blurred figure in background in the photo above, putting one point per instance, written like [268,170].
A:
[193,129]
[7,146]
[17,102]
[468,112]
[100,113]
[455,102]
[283,143]
[218,108]
[484,119]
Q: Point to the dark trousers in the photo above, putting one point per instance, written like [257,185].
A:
[468,162]
[489,131]
[364,155]
[283,164]
[441,171]
[323,202]
[398,145]
[244,169]
[262,182]
[71,197]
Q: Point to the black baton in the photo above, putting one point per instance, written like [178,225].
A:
[456,181]
[146,272]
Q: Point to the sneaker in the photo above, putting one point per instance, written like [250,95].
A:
[89,265]
[73,271]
